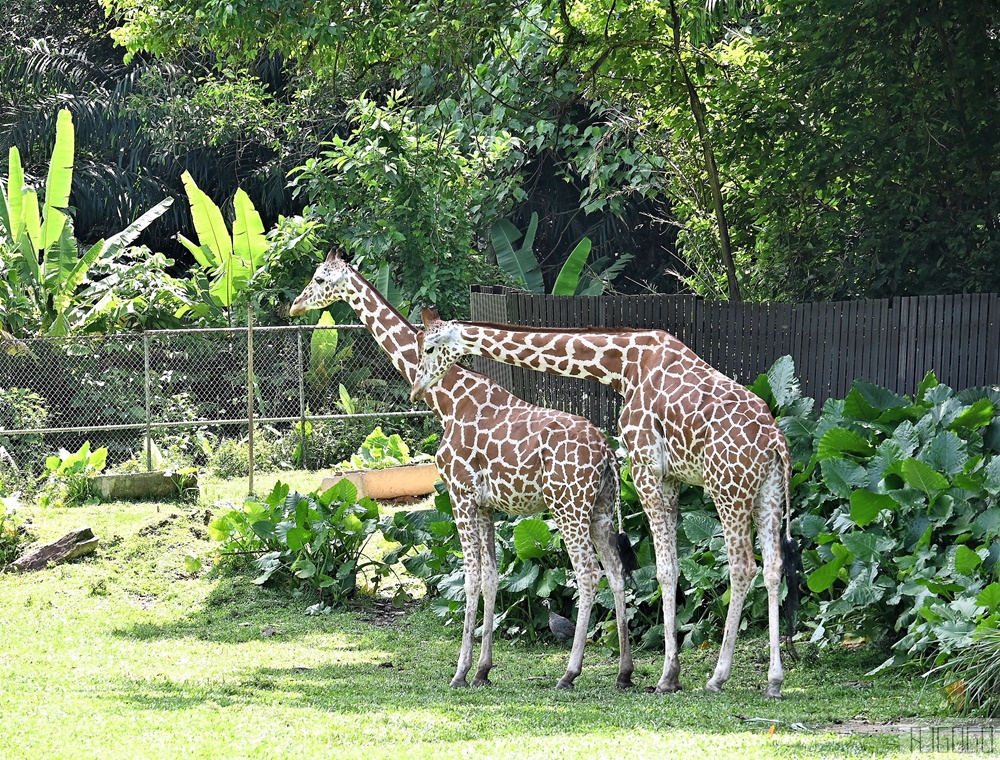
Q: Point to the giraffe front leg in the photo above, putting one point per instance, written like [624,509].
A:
[490,581]
[659,500]
[466,523]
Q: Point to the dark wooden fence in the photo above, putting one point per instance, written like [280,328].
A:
[891,342]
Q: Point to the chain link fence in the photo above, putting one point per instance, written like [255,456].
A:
[186,394]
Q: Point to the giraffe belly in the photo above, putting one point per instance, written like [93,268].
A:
[513,493]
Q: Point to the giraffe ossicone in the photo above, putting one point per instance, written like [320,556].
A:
[682,421]
[499,453]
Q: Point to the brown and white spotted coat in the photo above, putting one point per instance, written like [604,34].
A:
[682,421]
[498,452]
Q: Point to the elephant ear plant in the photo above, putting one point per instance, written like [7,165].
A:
[311,542]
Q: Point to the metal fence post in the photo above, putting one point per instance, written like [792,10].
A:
[149,415]
[250,395]
[302,402]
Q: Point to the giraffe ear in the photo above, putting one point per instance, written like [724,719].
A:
[429,315]
[333,255]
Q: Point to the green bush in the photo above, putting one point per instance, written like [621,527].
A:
[13,536]
[22,409]
[311,543]
[896,499]
[67,476]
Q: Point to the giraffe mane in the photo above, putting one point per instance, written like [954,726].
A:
[549,329]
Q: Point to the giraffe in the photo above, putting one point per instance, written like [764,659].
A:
[682,421]
[499,453]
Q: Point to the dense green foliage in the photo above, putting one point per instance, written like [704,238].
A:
[311,542]
[804,150]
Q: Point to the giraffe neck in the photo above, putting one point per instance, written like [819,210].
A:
[396,336]
[595,355]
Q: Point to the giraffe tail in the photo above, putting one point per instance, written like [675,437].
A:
[611,486]
[791,559]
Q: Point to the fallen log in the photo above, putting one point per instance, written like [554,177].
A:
[74,544]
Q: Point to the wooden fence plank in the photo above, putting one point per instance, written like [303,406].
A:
[890,342]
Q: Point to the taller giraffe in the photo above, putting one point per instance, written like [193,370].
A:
[498,452]
[682,422]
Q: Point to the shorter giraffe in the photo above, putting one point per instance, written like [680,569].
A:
[498,452]
[682,421]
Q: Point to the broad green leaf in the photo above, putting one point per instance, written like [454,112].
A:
[700,527]
[208,222]
[976,416]
[31,218]
[15,192]
[569,275]
[930,381]
[945,453]
[923,477]
[385,285]
[123,239]
[992,476]
[823,577]
[843,476]
[532,539]
[323,345]
[838,441]
[781,378]
[343,492]
[864,546]
[59,182]
[865,506]
[522,578]
[202,253]
[521,263]
[966,560]
[296,538]
[249,242]
[989,597]
[867,401]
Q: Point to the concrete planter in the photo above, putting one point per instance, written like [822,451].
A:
[136,486]
[390,482]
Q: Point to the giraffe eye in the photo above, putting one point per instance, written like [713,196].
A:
[319,280]
[430,350]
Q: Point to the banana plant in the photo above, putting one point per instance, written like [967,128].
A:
[229,259]
[40,251]
[522,265]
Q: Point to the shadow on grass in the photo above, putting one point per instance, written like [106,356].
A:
[365,702]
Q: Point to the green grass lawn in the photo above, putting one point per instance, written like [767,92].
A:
[126,655]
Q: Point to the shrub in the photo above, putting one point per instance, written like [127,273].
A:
[313,543]
[13,536]
[896,499]
[67,476]
[22,409]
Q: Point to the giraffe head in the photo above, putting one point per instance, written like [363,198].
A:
[441,345]
[328,284]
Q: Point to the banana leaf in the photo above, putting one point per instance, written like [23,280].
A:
[249,242]
[15,187]
[572,268]
[521,263]
[208,222]
[58,183]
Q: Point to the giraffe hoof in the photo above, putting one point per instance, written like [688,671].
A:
[565,685]
[667,688]
[477,682]
[713,687]
[773,692]
[459,683]
[625,683]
